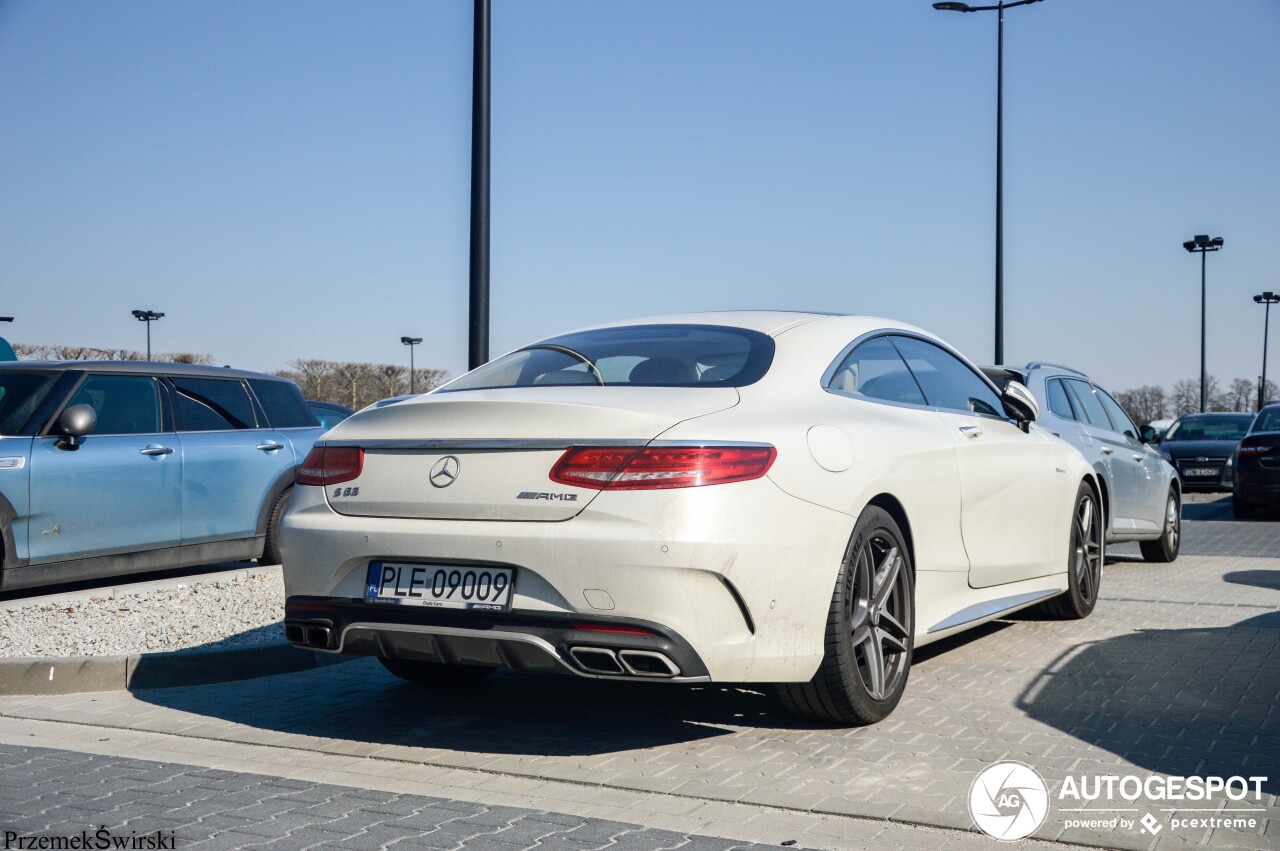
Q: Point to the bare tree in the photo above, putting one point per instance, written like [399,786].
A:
[392,379]
[1145,404]
[429,379]
[1185,398]
[1242,395]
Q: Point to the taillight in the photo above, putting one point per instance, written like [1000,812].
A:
[1254,449]
[651,468]
[331,465]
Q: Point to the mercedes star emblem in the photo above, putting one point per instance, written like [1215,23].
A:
[445,471]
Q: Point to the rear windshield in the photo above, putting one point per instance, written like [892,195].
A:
[1209,428]
[632,355]
[1268,420]
[21,392]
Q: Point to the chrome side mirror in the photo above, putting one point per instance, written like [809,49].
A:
[76,422]
[1020,405]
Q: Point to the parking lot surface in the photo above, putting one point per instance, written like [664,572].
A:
[1176,673]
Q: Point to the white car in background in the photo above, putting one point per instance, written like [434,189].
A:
[753,497]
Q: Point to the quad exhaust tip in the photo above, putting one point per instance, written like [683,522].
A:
[308,635]
[637,663]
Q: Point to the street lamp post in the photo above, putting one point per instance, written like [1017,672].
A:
[478,342]
[411,342]
[147,316]
[1202,245]
[1267,298]
[999,8]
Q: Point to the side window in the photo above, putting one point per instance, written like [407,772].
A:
[213,404]
[282,400]
[125,404]
[946,381]
[1119,418]
[875,370]
[1059,404]
[1087,402]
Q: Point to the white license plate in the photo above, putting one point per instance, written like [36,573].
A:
[439,586]
[1200,471]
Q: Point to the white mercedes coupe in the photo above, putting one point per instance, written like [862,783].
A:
[752,497]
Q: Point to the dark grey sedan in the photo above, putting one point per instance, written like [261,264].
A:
[1200,446]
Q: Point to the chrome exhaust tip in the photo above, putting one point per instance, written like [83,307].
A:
[597,660]
[648,663]
[318,636]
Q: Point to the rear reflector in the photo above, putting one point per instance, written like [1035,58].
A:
[614,629]
[651,468]
[331,465]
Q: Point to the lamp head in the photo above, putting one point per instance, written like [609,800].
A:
[952,7]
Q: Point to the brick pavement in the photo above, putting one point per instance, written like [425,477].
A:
[52,793]
[1176,673]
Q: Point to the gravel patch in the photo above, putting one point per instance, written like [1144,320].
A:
[239,611]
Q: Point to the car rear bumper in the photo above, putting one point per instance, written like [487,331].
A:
[733,582]
[602,648]
[1258,492]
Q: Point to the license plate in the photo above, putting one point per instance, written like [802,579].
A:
[439,586]
[1200,471]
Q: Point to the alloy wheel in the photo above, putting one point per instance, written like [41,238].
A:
[1088,549]
[1173,523]
[882,625]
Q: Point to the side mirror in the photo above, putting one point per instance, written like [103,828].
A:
[76,422]
[1020,405]
[1151,436]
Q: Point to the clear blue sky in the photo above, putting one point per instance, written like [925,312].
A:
[290,179]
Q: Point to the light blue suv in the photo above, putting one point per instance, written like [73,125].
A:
[109,468]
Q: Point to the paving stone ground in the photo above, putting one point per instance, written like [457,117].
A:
[1175,674]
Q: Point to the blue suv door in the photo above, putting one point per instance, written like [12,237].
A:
[230,459]
[120,490]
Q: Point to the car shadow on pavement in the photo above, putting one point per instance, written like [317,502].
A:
[1258,578]
[517,713]
[1175,701]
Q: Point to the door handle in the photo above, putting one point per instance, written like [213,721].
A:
[156,450]
[1107,450]
[971,432]
[1139,458]
[270,447]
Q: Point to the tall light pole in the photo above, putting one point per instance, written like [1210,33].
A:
[999,9]
[1202,245]
[147,316]
[1267,298]
[478,341]
[411,342]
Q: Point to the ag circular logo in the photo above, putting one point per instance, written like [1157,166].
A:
[1008,800]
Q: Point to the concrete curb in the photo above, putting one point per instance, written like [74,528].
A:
[195,666]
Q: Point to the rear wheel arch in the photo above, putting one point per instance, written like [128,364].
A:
[891,506]
[1098,482]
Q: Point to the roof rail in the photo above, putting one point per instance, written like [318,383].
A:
[1040,364]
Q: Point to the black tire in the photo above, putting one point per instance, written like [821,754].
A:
[1241,509]
[436,673]
[861,680]
[1084,560]
[271,548]
[1165,548]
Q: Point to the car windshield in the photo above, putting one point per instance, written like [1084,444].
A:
[21,391]
[1268,420]
[1225,427]
[634,355]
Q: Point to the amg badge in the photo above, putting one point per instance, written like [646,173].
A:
[567,497]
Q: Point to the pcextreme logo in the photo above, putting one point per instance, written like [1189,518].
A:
[1008,800]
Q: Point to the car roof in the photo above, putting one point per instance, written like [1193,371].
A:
[136,367]
[1215,414]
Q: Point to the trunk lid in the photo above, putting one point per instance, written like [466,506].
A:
[488,454]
